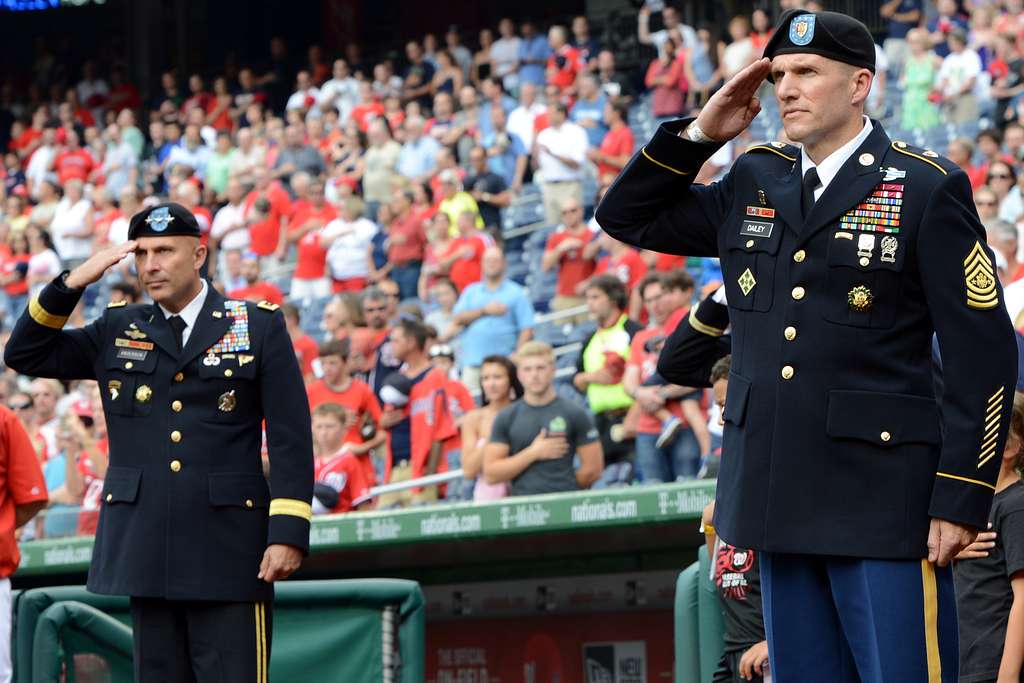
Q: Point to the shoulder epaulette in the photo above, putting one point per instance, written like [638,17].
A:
[267,306]
[117,304]
[787,152]
[933,159]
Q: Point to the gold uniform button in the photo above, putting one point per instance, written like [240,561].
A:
[865,261]
[129,365]
[110,497]
[799,256]
[228,372]
[179,377]
[798,293]
[750,243]
[175,436]
[248,502]
[790,333]
[176,406]
[787,372]
[175,466]
[885,436]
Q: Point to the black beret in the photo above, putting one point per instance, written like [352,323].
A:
[829,34]
[163,220]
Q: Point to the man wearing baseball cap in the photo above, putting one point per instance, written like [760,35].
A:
[854,480]
[188,528]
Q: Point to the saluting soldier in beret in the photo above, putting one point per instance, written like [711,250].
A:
[189,527]
[840,258]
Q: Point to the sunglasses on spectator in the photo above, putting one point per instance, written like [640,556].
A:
[19,406]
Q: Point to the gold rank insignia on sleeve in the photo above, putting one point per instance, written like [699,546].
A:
[267,306]
[993,412]
[117,304]
[980,278]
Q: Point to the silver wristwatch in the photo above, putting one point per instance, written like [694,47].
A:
[693,133]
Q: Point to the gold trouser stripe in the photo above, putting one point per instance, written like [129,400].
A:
[931,621]
[643,150]
[290,506]
[44,317]
[969,481]
[261,643]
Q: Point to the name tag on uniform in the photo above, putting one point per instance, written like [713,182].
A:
[756,229]
[131,354]
[132,344]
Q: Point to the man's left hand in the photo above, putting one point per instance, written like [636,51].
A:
[753,660]
[279,562]
[946,539]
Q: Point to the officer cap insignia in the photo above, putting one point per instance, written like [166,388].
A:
[980,279]
[267,306]
[227,401]
[746,282]
[159,219]
[860,299]
[117,304]
[114,387]
[143,394]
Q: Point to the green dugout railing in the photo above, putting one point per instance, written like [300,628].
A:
[359,631]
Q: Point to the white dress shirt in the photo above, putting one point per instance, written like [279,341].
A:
[190,313]
[830,165]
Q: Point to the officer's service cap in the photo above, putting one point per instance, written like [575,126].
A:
[829,34]
[163,220]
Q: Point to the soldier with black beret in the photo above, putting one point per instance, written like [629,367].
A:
[841,258]
[189,527]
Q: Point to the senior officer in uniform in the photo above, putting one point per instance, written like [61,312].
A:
[840,260]
[189,527]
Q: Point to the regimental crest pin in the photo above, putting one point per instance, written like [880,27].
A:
[227,401]
[801,29]
[860,299]
[159,219]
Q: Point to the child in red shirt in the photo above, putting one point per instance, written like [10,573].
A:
[336,466]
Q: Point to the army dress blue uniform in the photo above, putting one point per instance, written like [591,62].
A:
[187,512]
[833,445]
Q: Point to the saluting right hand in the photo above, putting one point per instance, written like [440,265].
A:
[93,269]
[546,447]
[734,106]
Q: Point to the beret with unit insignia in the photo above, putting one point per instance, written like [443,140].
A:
[830,34]
[163,220]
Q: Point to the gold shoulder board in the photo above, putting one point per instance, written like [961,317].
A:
[117,304]
[267,306]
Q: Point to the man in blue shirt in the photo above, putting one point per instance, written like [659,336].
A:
[506,153]
[418,157]
[495,316]
[903,15]
[588,112]
[533,55]
[494,98]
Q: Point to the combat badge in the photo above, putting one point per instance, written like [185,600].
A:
[746,282]
[114,387]
[980,279]
[860,299]
[889,246]
[227,401]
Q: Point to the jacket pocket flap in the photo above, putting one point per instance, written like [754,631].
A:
[239,488]
[882,418]
[121,484]
[736,400]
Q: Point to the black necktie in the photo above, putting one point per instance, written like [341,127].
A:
[811,183]
[178,325]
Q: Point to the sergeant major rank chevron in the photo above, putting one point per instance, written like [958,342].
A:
[980,279]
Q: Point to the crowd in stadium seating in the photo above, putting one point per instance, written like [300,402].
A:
[423,216]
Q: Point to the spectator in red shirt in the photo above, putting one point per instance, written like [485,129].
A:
[564,62]
[87,458]
[123,95]
[617,146]
[198,96]
[565,252]
[336,466]
[305,347]
[406,243]
[73,161]
[255,289]
[13,271]
[466,252]
[338,386]
[22,496]
[621,260]
[305,227]
[368,109]
[961,151]
[269,217]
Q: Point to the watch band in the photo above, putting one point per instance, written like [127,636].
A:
[693,133]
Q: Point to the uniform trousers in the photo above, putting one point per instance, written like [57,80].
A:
[853,620]
[194,641]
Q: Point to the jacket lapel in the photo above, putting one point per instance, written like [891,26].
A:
[208,329]
[785,197]
[154,325]
[851,185]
